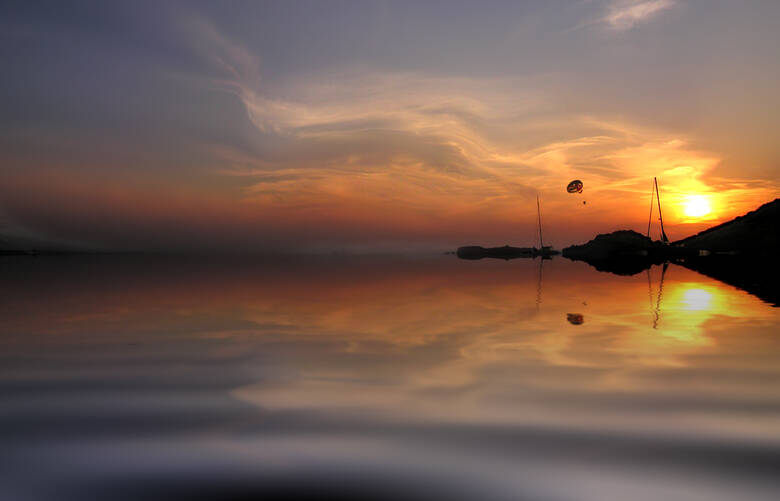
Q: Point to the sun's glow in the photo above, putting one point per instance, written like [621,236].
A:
[697,206]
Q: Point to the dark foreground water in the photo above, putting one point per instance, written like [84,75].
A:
[373,378]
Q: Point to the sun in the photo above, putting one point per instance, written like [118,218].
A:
[697,206]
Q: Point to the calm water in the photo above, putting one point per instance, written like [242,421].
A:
[379,378]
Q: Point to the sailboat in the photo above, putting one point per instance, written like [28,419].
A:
[546,251]
[656,311]
[509,252]
[664,238]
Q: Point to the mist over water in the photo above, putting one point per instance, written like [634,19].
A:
[382,378]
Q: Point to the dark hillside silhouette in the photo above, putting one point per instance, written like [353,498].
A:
[756,233]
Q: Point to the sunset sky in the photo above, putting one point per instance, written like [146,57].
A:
[372,125]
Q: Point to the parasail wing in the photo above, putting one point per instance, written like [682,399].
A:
[574,186]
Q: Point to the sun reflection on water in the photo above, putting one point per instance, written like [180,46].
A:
[697,299]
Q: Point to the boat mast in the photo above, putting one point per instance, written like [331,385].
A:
[660,217]
[539,216]
[650,217]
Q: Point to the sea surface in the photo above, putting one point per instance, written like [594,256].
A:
[360,378]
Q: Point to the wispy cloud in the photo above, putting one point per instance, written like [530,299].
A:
[346,143]
[356,155]
[623,15]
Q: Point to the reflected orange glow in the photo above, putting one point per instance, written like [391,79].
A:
[415,303]
[447,340]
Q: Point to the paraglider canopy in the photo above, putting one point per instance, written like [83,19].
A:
[575,186]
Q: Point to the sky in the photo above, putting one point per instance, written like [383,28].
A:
[371,125]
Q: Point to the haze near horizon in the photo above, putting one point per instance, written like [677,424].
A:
[373,125]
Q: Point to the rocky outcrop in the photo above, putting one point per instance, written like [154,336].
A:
[624,252]
[618,244]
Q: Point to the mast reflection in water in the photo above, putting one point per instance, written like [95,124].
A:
[162,378]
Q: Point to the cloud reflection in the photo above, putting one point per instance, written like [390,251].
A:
[368,364]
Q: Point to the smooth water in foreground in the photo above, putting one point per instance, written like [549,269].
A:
[382,378]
